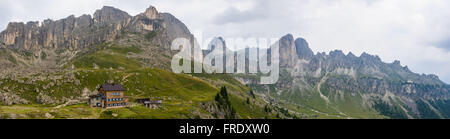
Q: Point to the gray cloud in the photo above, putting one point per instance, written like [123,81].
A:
[444,44]
[3,17]
[260,10]
[233,15]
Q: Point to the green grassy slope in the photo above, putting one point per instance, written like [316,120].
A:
[182,94]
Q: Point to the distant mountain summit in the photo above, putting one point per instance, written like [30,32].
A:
[327,82]
[79,32]
[53,44]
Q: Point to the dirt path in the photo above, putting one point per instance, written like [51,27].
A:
[323,80]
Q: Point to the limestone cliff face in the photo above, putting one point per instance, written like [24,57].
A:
[338,78]
[76,33]
[40,51]
[302,49]
[71,32]
[27,48]
[287,51]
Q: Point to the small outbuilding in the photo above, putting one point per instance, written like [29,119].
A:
[154,104]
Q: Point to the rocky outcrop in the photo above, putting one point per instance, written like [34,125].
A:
[302,49]
[288,51]
[28,49]
[31,47]
[71,32]
[10,98]
[333,74]
[84,31]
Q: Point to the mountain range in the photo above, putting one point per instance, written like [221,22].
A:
[50,68]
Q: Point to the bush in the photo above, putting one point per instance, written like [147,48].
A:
[151,34]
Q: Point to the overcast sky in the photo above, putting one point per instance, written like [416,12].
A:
[416,32]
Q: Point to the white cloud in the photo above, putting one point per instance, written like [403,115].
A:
[415,32]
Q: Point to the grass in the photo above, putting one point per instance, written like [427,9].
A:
[181,94]
[106,60]
[36,111]
[248,111]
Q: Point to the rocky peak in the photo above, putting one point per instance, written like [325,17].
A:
[288,53]
[303,50]
[351,55]
[369,57]
[287,38]
[83,21]
[214,42]
[433,76]
[151,13]
[79,32]
[337,54]
[110,15]
[396,62]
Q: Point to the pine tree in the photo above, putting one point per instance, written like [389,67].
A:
[252,94]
